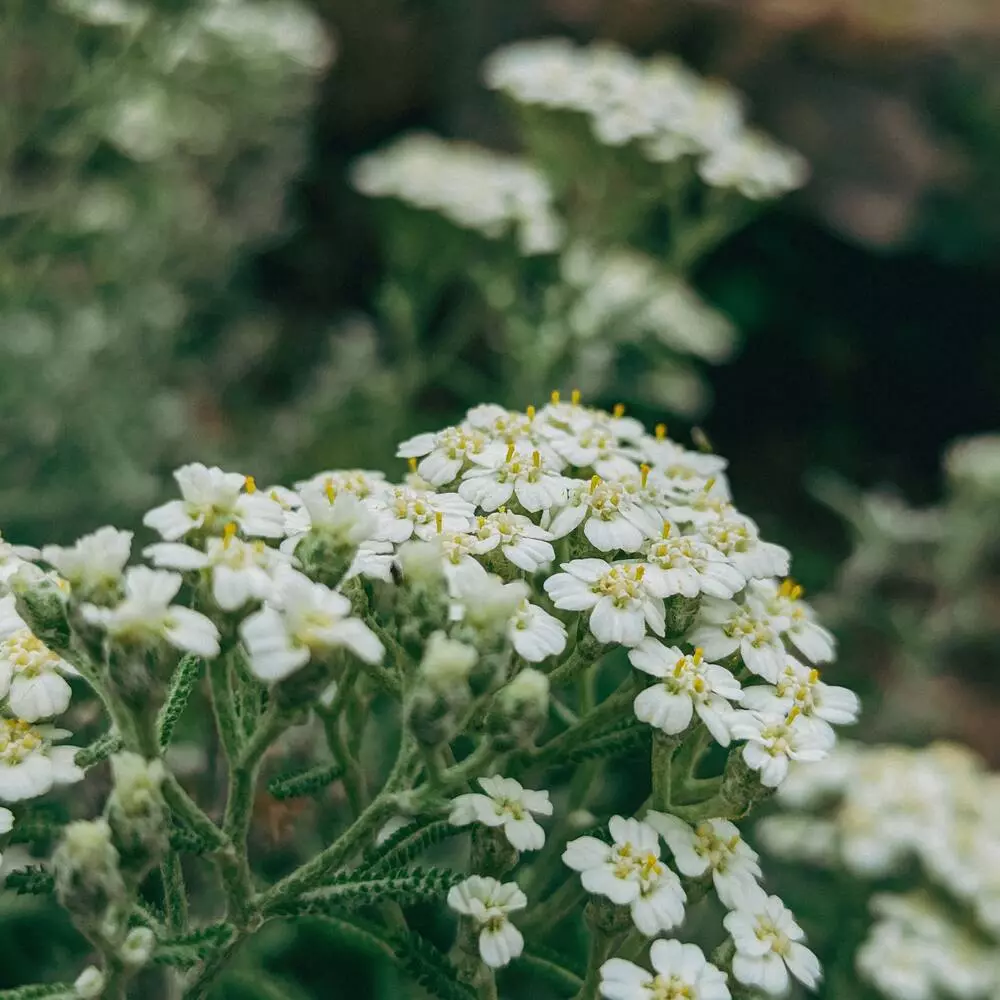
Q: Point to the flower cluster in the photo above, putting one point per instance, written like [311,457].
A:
[876,810]
[661,106]
[490,193]
[523,552]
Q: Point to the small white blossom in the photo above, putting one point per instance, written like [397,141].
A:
[769,945]
[95,563]
[800,686]
[602,445]
[241,571]
[12,557]
[530,476]
[784,600]
[714,845]
[774,740]
[686,565]
[146,614]
[89,985]
[404,512]
[341,518]
[522,542]
[610,517]
[306,619]
[535,634]
[725,627]
[630,873]
[687,684]
[211,499]
[29,762]
[737,538]
[507,804]
[681,973]
[621,605]
[482,599]
[445,454]
[755,165]
[32,677]
[489,903]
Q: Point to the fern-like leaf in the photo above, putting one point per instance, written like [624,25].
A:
[355,890]
[408,843]
[304,783]
[185,677]
[102,748]
[31,881]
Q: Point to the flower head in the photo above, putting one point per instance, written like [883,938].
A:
[506,804]
[680,973]
[769,946]
[630,873]
[145,615]
[30,763]
[488,903]
[94,564]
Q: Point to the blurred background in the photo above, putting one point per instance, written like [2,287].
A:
[195,265]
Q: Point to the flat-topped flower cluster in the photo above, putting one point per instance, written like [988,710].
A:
[523,550]
[662,106]
[874,811]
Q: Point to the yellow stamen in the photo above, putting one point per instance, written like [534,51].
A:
[595,481]
[250,484]
[438,520]
[640,571]
[733,842]
[796,593]
[554,397]
[330,490]
[536,459]
[793,713]
[643,474]
[661,431]
[480,520]
[699,684]
[575,397]
[510,452]
[709,484]
[531,412]
[413,465]
[619,410]
[665,533]
[679,666]
[699,654]
[228,534]
[813,676]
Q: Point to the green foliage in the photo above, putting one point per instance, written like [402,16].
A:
[44,991]
[187,950]
[101,749]
[32,880]
[428,967]
[355,890]
[305,783]
[408,843]
[186,674]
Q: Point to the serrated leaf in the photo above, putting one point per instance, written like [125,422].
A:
[408,843]
[553,967]
[186,950]
[429,967]
[621,741]
[182,683]
[102,748]
[304,783]
[188,842]
[40,991]
[354,890]
[31,881]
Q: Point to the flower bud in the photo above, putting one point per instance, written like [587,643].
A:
[136,812]
[87,876]
[441,694]
[137,948]
[679,614]
[490,603]
[521,708]
[41,601]
[89,984]
[421,564]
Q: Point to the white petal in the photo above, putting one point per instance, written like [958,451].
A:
[40,697]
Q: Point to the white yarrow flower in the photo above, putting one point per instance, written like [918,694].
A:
[530,476]
[94,563]
[522,542]
[688,684]
[630,873]
[681,972]
[146,614]
[725,627]
[211,499]
[610,517]
[784,600]
[32,677]
[769,945]
[620,603]
[306,619]
[535,634]
[489,904]
[689,566]
[799,686]
[774,740]
[30,764]
[506,804]
[715,846]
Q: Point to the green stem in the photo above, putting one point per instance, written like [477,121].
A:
[174,893]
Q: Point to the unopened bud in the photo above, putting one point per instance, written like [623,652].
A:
[136,812]
[137,948]
[89,984]
[442,691]
[87,876]
[41,601]
[521,707]
[421,563]
[447,663]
